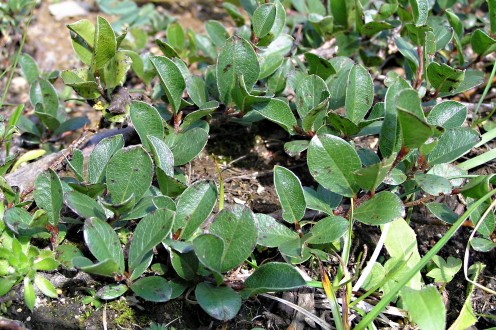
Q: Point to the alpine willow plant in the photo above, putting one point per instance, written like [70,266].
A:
[275,67]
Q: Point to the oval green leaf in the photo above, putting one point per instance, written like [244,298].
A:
[153,288]
[237,58]
[129,171]
[103,241]
[149,232]
[186,145]
[384,207]
[84,206]
[273,276]
[221,303]
[146,121]
[236,227]
[263,19]
[359,94]
[171,78]
[290,194]
[100,156]
[328,230]
[48,195]
[332,161]
[194,206]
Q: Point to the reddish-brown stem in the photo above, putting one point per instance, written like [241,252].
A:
[420,69]
[177,121]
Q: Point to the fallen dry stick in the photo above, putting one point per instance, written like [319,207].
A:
[24,177]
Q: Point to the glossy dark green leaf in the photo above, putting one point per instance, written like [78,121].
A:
[433,184]
[409,101]
[175,35]
[277,81]
[233,233]
[237,58]
[107,267]
[442,212]
[197,90]
[275,110]
[407,50]
[206,46]
[332,161]
[453,144]
[420,11]
[48,195]
[194,206]
[319,66]
[290,194]
[273,276]
[328,230]
[129,171]
[473,78]
[272,233]
[149,232]
[482,43]
[384,207]
[337,83]
[482,244]
[217,32]
[84,206]
[221,303]
[312,92]
[185,146]
[103,241]
[321,199]
[29,68]
[390,136]
[263,19]
[50,121]
[171,79]
[111,291]
[105,45]
[415,131]
[233,11]
[448,114]
[208,248]
[166,49]
[18,220]
[359,93]
[374,27]
[185,264]
[492,15]
[100,156]
[195,116]
[272,56]
[370,177]
[444,78]
[169,186]
[146,121]
[295,148]
[71,124]
[161,155]
[152,288]
[43,93]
